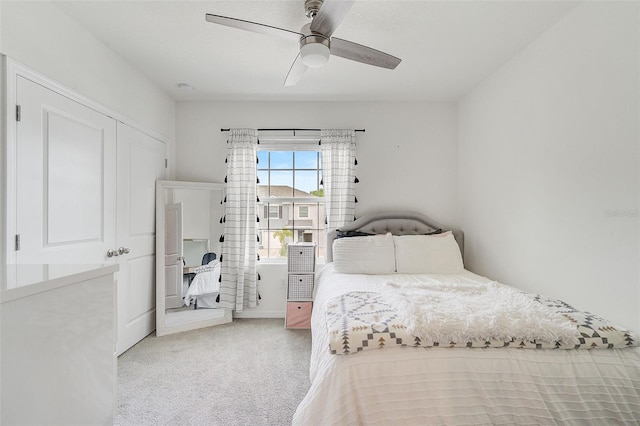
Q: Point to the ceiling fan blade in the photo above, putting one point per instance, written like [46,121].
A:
[296,71]
[253,26]
[330,15]
[366,55]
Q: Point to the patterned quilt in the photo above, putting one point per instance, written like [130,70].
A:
[359,321]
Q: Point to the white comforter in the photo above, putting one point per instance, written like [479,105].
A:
[458,386]
[205,283]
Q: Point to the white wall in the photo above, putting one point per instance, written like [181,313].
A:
[39,35]
[549,165]
[407,158]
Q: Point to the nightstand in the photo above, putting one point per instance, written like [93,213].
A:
[301,261]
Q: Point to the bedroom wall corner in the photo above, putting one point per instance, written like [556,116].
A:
[549,164]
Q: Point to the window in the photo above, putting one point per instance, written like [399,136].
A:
[291,205]
[273,211]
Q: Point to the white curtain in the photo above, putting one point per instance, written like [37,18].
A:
[238,288]
[338,175]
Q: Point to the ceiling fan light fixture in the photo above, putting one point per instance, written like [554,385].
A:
[314,51]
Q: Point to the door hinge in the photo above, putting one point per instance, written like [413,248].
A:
[166,163]
[17,242]
[18,112]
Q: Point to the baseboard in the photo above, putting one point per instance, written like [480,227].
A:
[261,314]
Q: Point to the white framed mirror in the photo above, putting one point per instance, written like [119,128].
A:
[188,229]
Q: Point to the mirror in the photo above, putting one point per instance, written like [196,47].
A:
[187,227]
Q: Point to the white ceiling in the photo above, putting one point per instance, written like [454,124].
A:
[446,47]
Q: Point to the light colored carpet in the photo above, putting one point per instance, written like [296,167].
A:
[249,372]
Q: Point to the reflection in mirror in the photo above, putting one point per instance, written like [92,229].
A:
[188,230]
[194,249]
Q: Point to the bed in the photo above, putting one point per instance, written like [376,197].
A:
[204,289]
[368,366]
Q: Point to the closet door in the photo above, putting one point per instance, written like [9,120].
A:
[65,183]
[141,161]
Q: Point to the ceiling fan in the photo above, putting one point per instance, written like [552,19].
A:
[316,43]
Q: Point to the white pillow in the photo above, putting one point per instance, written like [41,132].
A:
[364,255]
[428,254]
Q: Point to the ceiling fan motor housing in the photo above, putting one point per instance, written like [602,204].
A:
[311,7]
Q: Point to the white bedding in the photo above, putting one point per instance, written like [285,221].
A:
[205,285]
[441,312]
[458,386]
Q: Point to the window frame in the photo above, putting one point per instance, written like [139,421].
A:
[291,144]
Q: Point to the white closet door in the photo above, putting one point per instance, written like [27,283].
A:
[65,182]
[140,164]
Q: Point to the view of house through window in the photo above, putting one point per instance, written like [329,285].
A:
[291,207]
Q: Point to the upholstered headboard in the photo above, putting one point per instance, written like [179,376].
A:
[398,223]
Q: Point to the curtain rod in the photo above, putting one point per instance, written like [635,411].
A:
[291,130]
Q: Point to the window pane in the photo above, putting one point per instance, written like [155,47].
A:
[263,231]
[263,249]
[281,160]
[263,192]
[274,248]
[281,221]
[306,159]
[319,237]
[280,238]
[320,192]
[277,217]
[261,210]
[263,177]
[263,160]
[306,181]
[281,184]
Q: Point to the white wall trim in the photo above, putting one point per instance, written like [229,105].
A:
[260,314]
[3,168]
[9,165]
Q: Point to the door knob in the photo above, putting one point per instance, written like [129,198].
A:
[123,250]
[112,253]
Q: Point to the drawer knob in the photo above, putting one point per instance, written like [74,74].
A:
[299,307]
